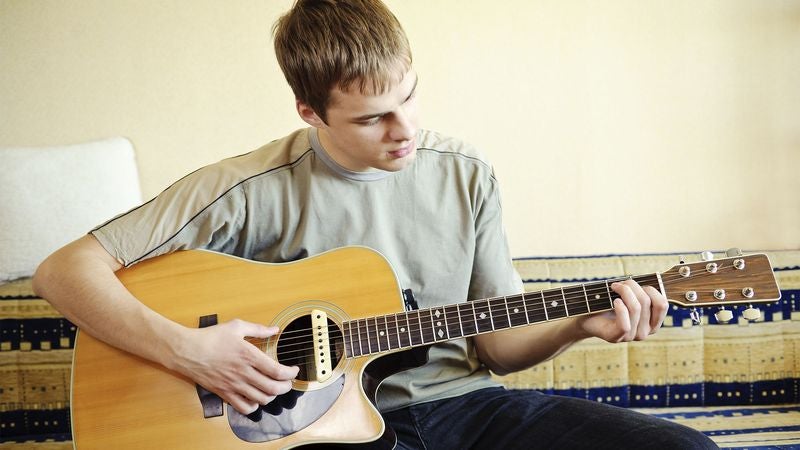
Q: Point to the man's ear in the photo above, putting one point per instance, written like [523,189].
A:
[308,115]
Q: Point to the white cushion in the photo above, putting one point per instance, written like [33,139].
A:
[50,196]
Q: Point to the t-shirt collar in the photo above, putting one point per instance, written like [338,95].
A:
[322,154]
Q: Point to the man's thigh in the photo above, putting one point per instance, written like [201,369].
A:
[524,419]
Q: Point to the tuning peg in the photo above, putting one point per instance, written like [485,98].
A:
[751,314]
[707,255]
[694,314]
[723,315]
[733,251]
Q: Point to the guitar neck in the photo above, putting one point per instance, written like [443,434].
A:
[379,334]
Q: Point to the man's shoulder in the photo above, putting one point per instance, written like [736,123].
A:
[283,152]
[451,148]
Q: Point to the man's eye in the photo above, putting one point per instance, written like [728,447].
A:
[373,121]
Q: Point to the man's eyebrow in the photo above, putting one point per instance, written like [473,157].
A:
[371,116]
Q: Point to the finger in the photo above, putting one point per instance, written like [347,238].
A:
[251,329]
[632,304]
[273,369]
[658,309]
[262,390]
[643,326]
[622,318]
[242,404]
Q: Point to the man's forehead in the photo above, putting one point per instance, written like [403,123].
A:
[367,92]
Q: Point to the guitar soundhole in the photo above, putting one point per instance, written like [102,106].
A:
[315,351]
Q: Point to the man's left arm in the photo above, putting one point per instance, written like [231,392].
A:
[638,312]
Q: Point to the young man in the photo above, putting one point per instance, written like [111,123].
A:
[363,174]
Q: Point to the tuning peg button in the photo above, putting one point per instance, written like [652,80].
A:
[733,251]
[751,314]
[724,315]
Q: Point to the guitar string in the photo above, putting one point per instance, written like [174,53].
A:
[591,289]
[515,299]
[488,306]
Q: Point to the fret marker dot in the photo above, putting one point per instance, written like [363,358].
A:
[438,324]
[441,333]
[597,297]
[403,329]
[554,304]
[516,310]
[482,316]
[381,333]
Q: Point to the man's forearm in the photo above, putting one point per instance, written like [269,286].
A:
[79,282]
[517,349]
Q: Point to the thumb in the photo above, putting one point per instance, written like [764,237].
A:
[254,329]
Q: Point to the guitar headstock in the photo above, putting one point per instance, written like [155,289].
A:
[742,279]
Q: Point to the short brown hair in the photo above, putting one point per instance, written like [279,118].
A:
[323,44]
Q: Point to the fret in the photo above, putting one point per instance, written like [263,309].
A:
[517,315]
[390,323]
[403,332]
[483,316]
[439,322]
[597,297]
[564,299]
[466,316]
[499,312]
[452,321]
[586,297]
[426,325]
[610,301]
[554,304]
[415,328]
[534,307]
[363,336]
[525,307]
[348,340]
[374,338]
[575,300]
[544,305]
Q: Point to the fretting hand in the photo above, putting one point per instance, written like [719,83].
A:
[638,312]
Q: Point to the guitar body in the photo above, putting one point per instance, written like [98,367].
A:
[121,401]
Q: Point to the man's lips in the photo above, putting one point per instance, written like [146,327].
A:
[402,152]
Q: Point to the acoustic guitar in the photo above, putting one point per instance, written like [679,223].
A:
[346,322]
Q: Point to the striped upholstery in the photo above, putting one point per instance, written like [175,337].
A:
[739,382]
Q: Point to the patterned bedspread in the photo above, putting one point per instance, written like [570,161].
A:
[739,383]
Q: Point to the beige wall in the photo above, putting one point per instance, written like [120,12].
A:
[614,126]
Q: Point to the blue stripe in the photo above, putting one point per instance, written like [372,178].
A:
[727,412]
[734,431]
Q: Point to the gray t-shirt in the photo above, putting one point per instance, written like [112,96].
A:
[438,222]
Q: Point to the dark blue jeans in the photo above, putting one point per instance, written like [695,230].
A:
[497,418]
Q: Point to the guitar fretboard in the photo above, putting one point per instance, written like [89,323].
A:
[380,334]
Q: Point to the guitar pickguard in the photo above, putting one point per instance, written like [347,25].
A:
[286,414]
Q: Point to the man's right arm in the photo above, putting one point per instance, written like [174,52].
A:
[79,281]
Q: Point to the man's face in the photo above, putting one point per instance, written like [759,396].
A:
[366,132]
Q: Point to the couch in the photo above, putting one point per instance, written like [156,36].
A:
[738,382]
